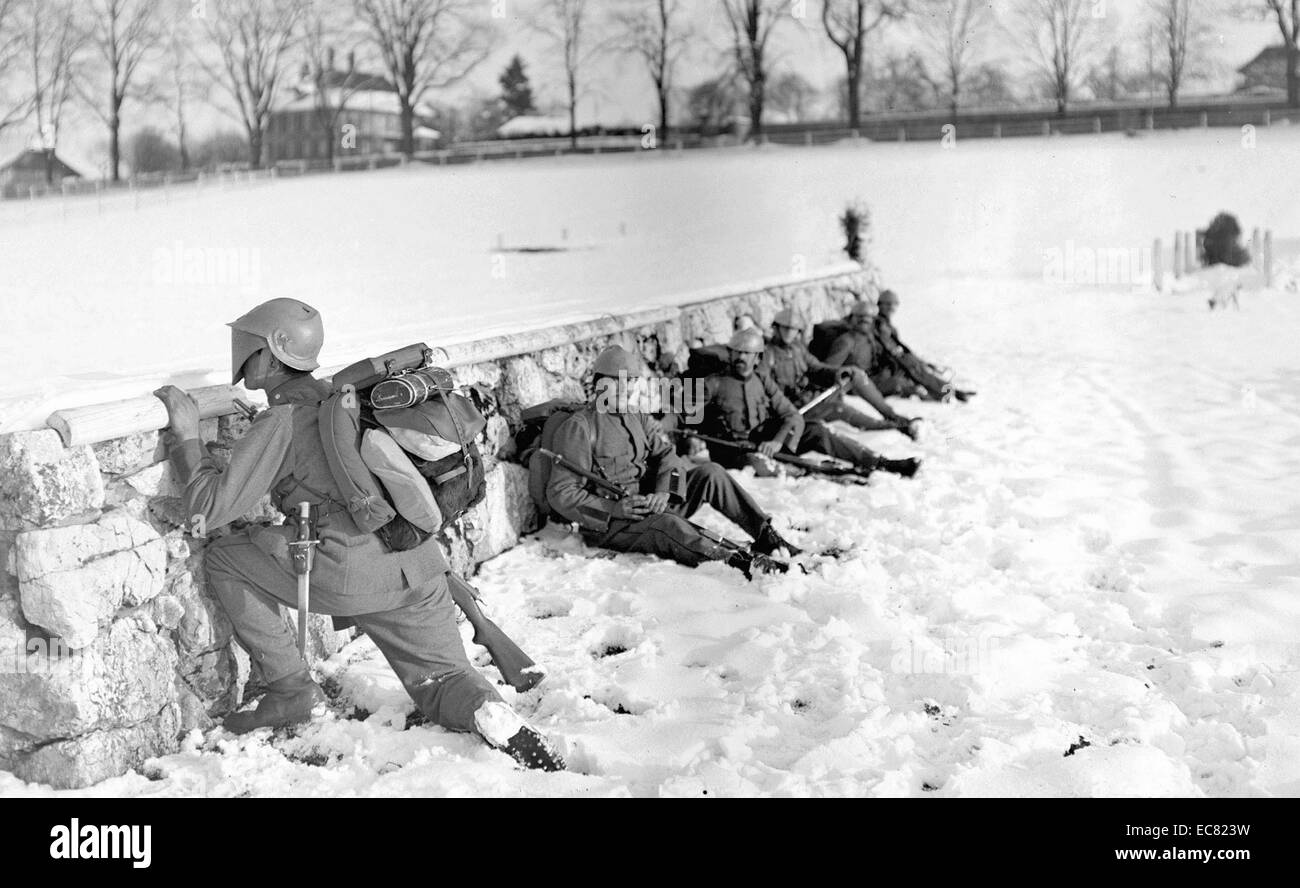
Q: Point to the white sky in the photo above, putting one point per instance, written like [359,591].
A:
[619,89]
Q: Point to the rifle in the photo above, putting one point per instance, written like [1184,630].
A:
[826,395]
[829,466]
[612,491]
[516,667]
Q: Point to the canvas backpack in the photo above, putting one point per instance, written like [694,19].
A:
[400,442]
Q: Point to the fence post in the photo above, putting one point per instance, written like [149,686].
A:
[1205,120]
[1047,127]
[1151,119]
[1178,254]
[1096,124]
[902,134]
[1157,265]
[807,139]
[1256,241]
[1268,117]
[997,129]
[1268,258]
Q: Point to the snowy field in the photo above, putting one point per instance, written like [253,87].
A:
[101,303]
[1091,588]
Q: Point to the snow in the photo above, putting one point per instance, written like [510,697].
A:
[1091,588]
[394,256]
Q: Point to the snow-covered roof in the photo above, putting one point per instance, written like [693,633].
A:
[534,125]
[384,101]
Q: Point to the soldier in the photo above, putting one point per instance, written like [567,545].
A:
[800,373]
[747,405]
[905,362]
[612,438]
[400,599]
[859,346]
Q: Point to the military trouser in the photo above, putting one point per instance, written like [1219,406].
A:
[835,409]
[816,436]
[670,535]
[908,375]
[419,639]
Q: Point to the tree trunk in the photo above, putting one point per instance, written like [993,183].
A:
[1292,79]
[573,114]
[756,95]
[408,130]
[115,146]
[663,114]
[854,85]
[255,148]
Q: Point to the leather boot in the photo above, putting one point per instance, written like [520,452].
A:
[905,467]
[288,701]
[768,541]
[503,729]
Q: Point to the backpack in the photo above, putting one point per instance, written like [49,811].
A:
[824,336]
[540,424]
[399,440]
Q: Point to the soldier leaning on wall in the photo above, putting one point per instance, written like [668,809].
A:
[612,438]
[400,599]
[800,374]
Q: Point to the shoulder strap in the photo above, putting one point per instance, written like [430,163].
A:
[340,431]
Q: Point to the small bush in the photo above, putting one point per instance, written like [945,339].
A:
[1222,243]
[855,222]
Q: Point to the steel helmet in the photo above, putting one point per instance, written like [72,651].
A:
[291,329]
[747,340]
[862,309]
[786,317]
[615,358]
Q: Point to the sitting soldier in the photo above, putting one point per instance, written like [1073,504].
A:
[859,346]
[611,437]
[747,406]
[800,374]
[904,362]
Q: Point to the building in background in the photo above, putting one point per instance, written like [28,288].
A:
[369,102]
[1265,73]
[27,169]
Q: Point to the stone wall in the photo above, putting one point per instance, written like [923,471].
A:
[110,647]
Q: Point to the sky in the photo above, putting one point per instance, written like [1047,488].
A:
[619,91]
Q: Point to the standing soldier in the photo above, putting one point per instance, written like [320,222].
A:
[904,359]
[747,406]
[611,437]
[800,373]
[400,599]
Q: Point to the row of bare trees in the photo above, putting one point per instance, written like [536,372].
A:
[110,54]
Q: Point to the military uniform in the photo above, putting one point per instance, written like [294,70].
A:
[400,599]
[906,369]
[754,410]
[800,374]
[628,450]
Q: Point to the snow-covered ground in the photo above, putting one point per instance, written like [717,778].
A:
[100,303]
[1092,588]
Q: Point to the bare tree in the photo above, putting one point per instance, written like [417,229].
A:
[952,31]
[848,24]
[565,23]
[1286,13]
[322,25]
[656,30]
[425,44]
[53,40]
[751,23]
[179,83]
[12,108]
[791,94]
[253,39]
[123,33]
[1060,36]
[1184,31]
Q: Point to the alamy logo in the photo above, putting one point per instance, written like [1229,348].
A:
[90,842]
